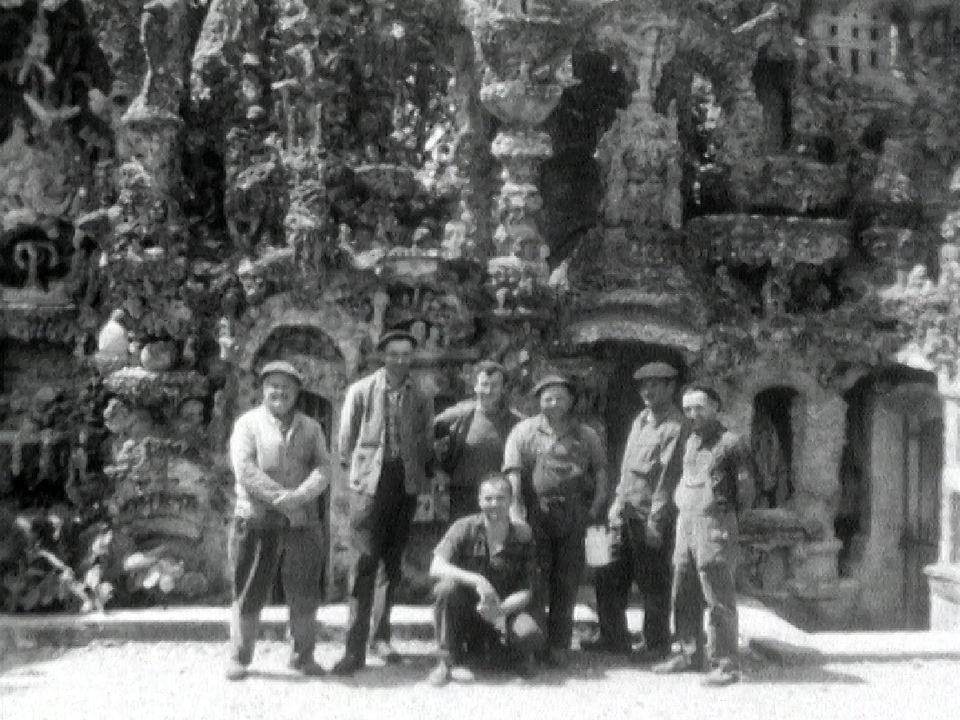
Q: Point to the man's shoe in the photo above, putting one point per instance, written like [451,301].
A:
[644,655]
[525,668]
[676,664]
[347,665]
[552,658]
[719,677]
[605,645]
[306,666]
[386,652]
[236,671]
[441,674]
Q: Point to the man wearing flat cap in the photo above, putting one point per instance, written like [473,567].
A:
[281,464]
[557,467]
[643,517]
[386,443]
[471,435]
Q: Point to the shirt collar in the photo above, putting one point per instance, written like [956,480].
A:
[382,382]
[275,421]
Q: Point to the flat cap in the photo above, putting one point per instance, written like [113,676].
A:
[490,366]
[396,335]
[660,370]
[552,380]
[282,367]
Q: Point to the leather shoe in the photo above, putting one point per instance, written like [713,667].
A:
[386,652]
[306,666]
[347,665]
[552,658]
[605,645]
[645,655]
[719,677]
[675,664]
[236,671]
[441,674]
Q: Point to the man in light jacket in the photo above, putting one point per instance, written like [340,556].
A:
[386,436]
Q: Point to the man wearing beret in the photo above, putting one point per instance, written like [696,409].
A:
[557,467]
[643,518]
[280,460]
[471,435]
[386,442]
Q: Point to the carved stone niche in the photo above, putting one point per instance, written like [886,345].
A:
[796,430]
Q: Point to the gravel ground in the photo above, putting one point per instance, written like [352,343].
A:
[181,681]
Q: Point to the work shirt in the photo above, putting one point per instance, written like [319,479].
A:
[715,465]
[512,568]
[651,467]
[579,447]
[482,448]
[269,460]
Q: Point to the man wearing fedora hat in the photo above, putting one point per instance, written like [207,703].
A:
[386,442]
[557,467]
[643,518]
[280,461]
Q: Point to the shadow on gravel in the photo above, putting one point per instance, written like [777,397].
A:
[17,659]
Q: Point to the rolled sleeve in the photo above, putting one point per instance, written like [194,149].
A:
[449,546]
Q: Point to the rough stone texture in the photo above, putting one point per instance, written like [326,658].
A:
[791,185]
[640,154]
[116,26]
[759,239]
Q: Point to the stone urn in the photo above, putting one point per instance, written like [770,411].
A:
[158,356]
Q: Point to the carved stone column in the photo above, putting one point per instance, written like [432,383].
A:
[641,152]
[525,60]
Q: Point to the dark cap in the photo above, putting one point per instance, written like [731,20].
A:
[281,367]
[657,370]
[396,335]
[551,380]
[489,366]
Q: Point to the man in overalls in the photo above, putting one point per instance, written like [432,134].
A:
[557,467]
[717,479]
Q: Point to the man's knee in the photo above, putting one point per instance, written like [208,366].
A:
[526,635]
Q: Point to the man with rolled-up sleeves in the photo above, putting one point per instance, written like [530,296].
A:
[281,465]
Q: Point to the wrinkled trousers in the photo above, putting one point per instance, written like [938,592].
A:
[704,567]
[256,555]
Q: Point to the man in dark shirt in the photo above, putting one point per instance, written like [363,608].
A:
[486,565]
[643,517]
[471,435]
[717,479]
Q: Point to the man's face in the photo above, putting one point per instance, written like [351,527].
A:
[280,393]
[489,388]
[556,401]
[656,392]
[495,500]
[397,355]
[699,408]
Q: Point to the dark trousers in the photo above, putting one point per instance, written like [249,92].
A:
[462,635]
[256,555]
[379,529]
[705,564]
[559,528]
[636,561]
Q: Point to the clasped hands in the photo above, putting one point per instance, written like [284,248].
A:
[615,519]
[489,607]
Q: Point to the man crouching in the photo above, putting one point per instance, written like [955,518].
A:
[486,565]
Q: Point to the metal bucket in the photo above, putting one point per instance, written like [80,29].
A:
[599,546]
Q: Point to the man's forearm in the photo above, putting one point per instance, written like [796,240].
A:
[516,602]
[261,485]
[313,487]
[442,569]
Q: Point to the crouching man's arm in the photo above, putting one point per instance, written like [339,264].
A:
[442,569]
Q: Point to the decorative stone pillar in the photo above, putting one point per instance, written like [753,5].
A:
[524,52]
[641,152]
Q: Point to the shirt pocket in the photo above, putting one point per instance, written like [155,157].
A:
[270,456]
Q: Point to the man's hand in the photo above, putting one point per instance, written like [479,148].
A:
[615,514]
[517,513]
[653,535]
[441,446]
[288,503]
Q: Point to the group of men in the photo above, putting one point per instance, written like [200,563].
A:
[522,495]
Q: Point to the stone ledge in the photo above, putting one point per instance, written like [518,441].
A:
[793,184]
[756,240]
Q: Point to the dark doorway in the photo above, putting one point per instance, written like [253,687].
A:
[771,439]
